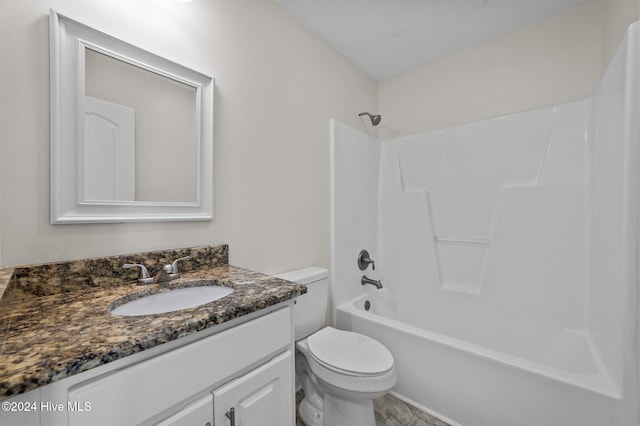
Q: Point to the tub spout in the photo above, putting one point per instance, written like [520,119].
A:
[375,283]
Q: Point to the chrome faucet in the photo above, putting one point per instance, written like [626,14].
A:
[375,283]
[167,273]
[143,276]
[163,275]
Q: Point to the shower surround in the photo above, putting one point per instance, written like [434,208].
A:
[507,249]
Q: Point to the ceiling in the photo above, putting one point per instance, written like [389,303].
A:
[387,37]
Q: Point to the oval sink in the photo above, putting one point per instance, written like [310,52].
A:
[173,300]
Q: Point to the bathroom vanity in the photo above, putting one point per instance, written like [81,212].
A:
[67,360]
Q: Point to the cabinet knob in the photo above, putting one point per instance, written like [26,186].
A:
[231,415]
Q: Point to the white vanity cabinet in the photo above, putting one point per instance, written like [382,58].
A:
[199,413]
[262,397]
[259,398]
[248,368]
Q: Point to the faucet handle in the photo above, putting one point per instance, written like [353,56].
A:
[174,264]
[143,275]
[364,260]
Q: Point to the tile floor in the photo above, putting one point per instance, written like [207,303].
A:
[391,411]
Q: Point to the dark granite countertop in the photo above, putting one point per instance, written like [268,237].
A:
[52,332]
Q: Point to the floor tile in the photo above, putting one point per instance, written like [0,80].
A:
[391,411]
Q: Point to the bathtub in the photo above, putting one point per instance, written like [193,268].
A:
[474,385]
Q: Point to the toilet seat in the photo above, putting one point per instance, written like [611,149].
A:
[349,353]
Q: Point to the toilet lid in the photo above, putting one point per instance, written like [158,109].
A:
[349,351]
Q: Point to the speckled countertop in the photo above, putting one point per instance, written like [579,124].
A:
[54,318]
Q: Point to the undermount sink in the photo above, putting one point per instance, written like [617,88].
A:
[172,300]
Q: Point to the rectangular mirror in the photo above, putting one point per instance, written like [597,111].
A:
[131,132]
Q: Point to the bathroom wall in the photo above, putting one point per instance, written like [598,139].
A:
[554,60]
[277,86]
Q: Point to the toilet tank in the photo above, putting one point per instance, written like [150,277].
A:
[310,309]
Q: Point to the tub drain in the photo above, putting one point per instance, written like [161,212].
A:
[367,305]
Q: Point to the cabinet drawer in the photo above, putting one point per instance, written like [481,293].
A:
[136,393]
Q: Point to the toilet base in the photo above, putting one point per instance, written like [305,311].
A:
[337,411]
[309,413]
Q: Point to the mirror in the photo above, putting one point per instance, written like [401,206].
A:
[159,114]
[131,132]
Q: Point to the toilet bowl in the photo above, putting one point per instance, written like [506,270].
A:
[341,372]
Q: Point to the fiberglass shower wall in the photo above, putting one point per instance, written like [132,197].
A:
[497,255]
[518,234]
[612,311]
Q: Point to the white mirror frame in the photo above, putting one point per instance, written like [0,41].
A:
[68,40]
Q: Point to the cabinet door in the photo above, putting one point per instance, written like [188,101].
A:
[262,397]
[199,413]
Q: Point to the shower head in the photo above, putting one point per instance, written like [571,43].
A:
[375,119]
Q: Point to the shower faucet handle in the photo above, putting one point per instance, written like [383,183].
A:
[364,260]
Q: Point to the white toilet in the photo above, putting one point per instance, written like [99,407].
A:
[341,372]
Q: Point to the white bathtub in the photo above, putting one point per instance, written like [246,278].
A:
[478,386]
